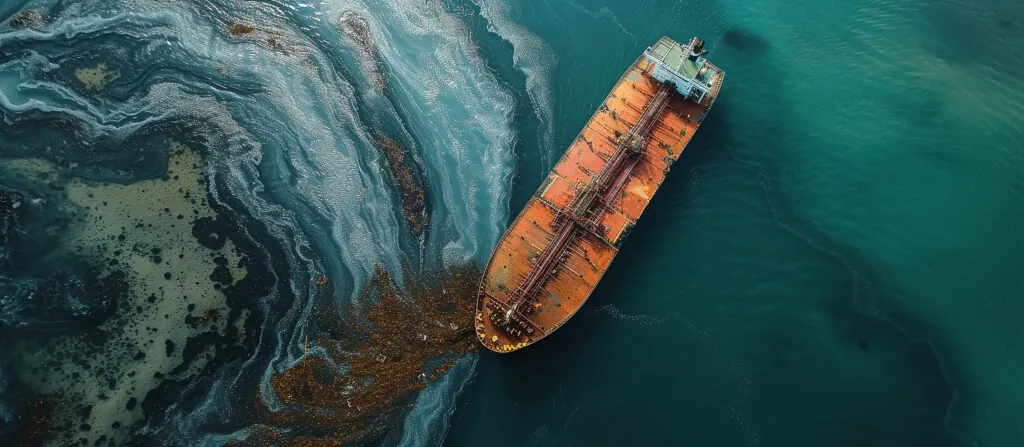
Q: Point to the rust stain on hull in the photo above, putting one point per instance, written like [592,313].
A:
[555,252]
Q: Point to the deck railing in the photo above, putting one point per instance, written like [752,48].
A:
[605,184]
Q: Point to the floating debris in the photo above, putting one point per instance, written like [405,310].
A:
[29,18]
[239,29]
[273,40]
[386,350]
[413,196]
[357,29]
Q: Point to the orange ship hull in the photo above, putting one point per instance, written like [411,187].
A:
[538,275]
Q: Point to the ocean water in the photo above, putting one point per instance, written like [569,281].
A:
[834,261]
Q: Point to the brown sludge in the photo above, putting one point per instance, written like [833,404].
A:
[238,29]
[413,195]
[358,30]
[29,18]
[386,349]
[37,428]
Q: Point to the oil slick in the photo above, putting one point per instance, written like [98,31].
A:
[143,231]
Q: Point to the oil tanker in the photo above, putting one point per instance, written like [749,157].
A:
[552,256]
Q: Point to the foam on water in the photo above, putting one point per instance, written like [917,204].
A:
[460,117]
[536,60]
[429,421]
[605,14]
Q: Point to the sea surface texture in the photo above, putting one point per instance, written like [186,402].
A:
[249,222]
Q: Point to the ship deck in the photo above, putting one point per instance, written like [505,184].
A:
[588,253]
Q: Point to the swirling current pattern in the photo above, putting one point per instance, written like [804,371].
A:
[230,153]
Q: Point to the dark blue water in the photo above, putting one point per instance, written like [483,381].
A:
[833,262]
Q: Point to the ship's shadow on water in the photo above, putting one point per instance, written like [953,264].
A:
[744,41]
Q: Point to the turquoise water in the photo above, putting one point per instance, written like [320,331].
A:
[834,261]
